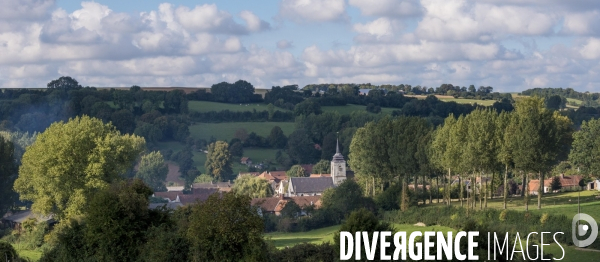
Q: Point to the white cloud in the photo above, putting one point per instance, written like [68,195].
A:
[284,44]
[591,50]
[585,23]
[460,20]
[390,8]
[312,10]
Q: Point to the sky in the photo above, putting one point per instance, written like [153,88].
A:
[511,45]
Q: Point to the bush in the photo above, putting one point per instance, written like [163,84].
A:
[8,251]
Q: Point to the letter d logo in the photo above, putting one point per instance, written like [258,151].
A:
[581,230]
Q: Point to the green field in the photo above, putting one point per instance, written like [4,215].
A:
[555,204]
[226,131]
[207,106]
[349,108]
[318,236]
[571,253]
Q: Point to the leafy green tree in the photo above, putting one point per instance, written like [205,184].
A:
[236,149]
[539,138]
[9,252]
[291,210]
[124,121]
[322,167]
[203,178]
[344,199]
[307,107]
[69,162]
[218,160]
[153,171]
[254,187]
[117,220]
[296,171]
[362,220]
[555,185]
[8,171]
[271,110]
[225,228]
[387,150]
[505,122]
[175,102]
[115,225]
[301,148]
[585,152]
[276,138]
[64,83]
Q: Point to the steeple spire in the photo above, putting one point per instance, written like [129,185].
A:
[337,146]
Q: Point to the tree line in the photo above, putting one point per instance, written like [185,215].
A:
[483,147]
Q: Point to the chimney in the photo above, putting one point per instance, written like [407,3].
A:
[562,176]
[281,196]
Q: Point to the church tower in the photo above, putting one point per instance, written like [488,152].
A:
[338,166]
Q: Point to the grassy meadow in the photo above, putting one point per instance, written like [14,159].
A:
[458,100]
[555,203]
[207,106]
[226,131]
[326,234]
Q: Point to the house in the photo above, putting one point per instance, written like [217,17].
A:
[568,183]
[16,220]
[534,185]
[177,199]
[221,186]
[274,205]
[308,186]
[246,161]
[594,185]
[467,182]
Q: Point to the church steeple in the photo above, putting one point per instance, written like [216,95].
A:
[338,156]
[338,166]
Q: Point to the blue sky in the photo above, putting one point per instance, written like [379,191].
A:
[510,45]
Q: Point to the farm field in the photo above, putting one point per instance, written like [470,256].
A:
[349,108]
[207,106]
[226,131]
[458,100]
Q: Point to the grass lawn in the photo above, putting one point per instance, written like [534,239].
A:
[349,108]
[318,236]
[555,204]
[30,255]
[226,131]
[207,106]
[571,253]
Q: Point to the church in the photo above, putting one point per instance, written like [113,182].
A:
[316,184]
